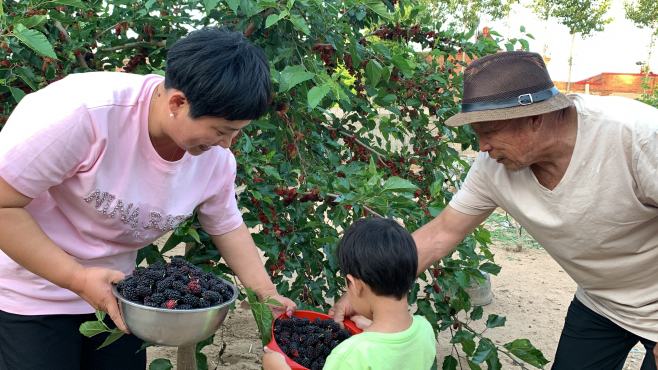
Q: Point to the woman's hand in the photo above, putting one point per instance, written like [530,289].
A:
[286,306]
[94,285]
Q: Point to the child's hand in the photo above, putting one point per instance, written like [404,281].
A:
[342,310]
[361,322]
[274,360]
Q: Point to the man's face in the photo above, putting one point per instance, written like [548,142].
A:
[509,142]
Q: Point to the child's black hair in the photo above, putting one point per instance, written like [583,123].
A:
[382,254]
[221,73]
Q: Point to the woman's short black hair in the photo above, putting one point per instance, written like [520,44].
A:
[221,73]
[382,254]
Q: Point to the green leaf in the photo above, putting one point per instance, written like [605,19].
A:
[115,334]
[462,279]
[523,349]
[18,94]
[209,5]
[493,363]
[161,364]
[27,75]
[494,321]
[462,335]
[201,361]
[171,243]
[73,3]
[271,171]
[300,24]
[262,315]
[233,4]
[406,66]
[388,99]
[100,315]
[379,8]
[399,184]
[35,40]
[373,72]
[490,268]
[473,366]
[477,312]
[484,351]
[91,328]
[449,363]
[33,21]
[272,19]
[524,44]
[195,235]
[291,76]
[316,94]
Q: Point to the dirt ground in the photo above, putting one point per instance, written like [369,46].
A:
[532,291]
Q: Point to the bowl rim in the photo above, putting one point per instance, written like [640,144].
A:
[121,298]
[274,345]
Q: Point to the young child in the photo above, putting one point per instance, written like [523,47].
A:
[379,260]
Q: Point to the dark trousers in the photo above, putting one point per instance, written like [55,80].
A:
[590,341]
[53,342]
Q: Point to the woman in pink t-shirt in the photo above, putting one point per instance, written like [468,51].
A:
[99,164]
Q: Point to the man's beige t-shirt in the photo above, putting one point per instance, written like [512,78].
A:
[600,223]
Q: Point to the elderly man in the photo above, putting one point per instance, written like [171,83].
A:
[580,173]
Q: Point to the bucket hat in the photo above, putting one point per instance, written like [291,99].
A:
[507,85]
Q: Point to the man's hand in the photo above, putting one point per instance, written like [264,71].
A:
[94,285]
[655,354]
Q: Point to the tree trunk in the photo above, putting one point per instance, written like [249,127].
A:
[573,41]
[186,355]
[652,43]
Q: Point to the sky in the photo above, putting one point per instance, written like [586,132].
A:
[616,49]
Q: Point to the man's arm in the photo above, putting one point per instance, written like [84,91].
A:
[241,254]
[439,237]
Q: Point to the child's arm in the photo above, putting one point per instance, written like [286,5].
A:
[274,360]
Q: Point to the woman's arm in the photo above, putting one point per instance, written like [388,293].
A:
[22,240]
[241,254]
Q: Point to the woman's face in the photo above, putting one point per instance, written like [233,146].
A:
[198,135]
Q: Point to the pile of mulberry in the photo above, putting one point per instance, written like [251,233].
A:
[177,285]
[307,342]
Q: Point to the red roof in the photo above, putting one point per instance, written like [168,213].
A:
[591,80]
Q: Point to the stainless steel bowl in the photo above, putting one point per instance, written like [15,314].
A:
[173,327]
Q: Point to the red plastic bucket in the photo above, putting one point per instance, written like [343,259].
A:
[311,315]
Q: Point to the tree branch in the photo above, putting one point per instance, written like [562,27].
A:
[362,205]
[499,348]
[79,56]
[136,44]
[358,141]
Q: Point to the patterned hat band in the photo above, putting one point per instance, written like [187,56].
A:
[524,99]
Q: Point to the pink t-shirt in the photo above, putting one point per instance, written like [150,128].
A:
[81,149]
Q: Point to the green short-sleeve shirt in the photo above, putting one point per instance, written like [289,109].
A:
[412,349]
